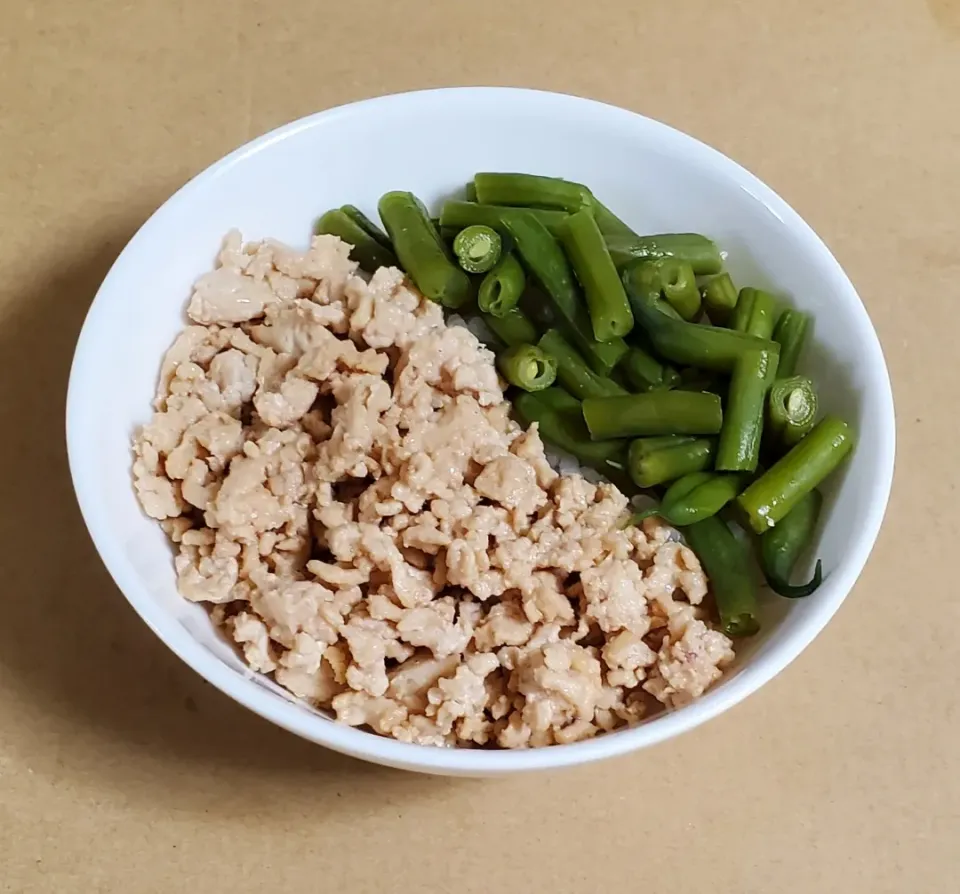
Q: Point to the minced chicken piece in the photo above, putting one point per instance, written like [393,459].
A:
[340,475]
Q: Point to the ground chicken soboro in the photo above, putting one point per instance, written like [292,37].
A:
[345,487]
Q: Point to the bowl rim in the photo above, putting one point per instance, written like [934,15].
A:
[291,716]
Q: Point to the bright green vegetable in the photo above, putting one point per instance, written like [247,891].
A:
[561,426]
[719,298]
[545,259]
[782,546]
[607,303]
[512,328]
[646,446]
[502,287]
[679,287]
[651,467]
[689,344]
[697,496]
[727,563]
[791,333]
[755,313]
[610,225]
[768,499]
[698,251]
[573,373]
[645,373]
[792,407]
[739,449]
[367,225]
[527,367]
[457,215]
[470,192]
[531,190]
[477,248]
[366,251]
[653,413]
[421,251]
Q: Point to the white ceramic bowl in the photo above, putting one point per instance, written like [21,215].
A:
[657,179]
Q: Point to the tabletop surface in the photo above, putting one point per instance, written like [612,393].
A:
[121,770]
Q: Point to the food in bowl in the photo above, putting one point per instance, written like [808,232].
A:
[348,489]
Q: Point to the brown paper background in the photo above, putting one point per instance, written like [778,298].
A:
[120,770]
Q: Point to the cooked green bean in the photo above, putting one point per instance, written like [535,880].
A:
[561,426]
[652,467]
[782,546]
[365,250]
[680,287]
[421,251]
[719,298]
[457,215]
[644,372]
[367,225]
[545,259]
[527,367]
[653,413]
[790,333]
[646,446]
[470,192]
[573,372]
[779,489]
[792,408]
[739,449]
[699,252]
[610,313]
[611,225]
[512,328]
[689,344]
[727,563]
[755,313]
[501,288]
[531,191]
[699,495]
[477,248]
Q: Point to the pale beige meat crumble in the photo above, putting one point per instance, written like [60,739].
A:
[339,472]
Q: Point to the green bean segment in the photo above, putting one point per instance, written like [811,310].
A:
[792,407]
[502,287]
[699,252]
[653,413]
[726,561]
[531,190]
[610,313]
[421,251]
[791,333]
[719,298]
[755,314]
[651,467]
[573,373]
[768,499]
[527,367]
[365,250]
[679,285]
[739,449]
[477,248]
[688,344]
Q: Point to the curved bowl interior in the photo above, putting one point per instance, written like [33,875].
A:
[657,179]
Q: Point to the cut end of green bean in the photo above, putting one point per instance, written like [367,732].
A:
[477,248]
[679,286]
[719,298]
[502,287]
[792,408]
[527,367]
